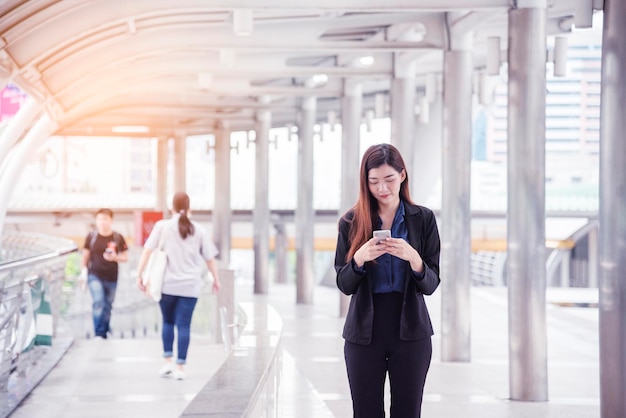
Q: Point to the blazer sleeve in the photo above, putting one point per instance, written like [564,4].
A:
[348,278]
[428,281]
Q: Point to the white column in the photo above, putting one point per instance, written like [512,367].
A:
[403,109]
[455,212]
[427,153]
[222,212]
[526,272]
[261,211]
[180,163]
[612,236]
[161,178]
[351,110]
[305,213]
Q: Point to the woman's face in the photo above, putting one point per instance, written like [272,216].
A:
[384,184]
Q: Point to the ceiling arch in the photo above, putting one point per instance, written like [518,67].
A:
[178,65]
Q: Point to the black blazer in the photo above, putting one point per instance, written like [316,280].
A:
[415,324]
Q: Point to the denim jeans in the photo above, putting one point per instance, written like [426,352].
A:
[177,312]
[103,294]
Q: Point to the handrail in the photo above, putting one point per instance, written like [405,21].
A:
[35,259]
[558,255]
[31,281]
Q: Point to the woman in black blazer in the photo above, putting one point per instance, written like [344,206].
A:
[387,328]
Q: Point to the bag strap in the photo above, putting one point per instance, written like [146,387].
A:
[94,236]
[161,238]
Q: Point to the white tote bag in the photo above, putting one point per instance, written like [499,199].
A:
[155,271]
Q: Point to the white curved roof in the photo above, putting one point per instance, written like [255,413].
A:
[178,67]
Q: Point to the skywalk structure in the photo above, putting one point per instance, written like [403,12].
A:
[170,69]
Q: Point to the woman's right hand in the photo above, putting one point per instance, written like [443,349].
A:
[368,252]
[140,284]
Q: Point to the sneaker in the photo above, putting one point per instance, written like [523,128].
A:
[179,374]
[166,370]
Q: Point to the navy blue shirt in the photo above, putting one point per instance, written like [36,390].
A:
[390,272]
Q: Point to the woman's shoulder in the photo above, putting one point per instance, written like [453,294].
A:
[415,209]
[347,217]
[199,227]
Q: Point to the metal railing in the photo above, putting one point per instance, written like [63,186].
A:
[32,271]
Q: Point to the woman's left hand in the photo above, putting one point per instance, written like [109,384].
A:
[400,248]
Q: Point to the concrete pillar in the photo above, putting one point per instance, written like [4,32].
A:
[261,211]
[351,110]
[305,213]
[455,213]
[161,186]
[612,236]
[526,272]
[180,163]
[222,212]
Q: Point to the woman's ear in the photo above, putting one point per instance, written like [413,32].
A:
[403,175]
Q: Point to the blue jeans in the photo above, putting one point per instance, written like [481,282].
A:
[103,294]
[177,312]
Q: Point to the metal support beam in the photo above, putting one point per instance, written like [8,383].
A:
[261,212]
[41,131]
[16,128]
[526,272]
[305,213]
[455,213]
[612,236]
[222,211]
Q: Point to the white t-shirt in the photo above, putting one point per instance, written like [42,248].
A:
[186,258]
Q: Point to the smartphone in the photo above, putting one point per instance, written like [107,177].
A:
[381,234]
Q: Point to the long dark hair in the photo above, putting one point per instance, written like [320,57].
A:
[180,204]
[366,207]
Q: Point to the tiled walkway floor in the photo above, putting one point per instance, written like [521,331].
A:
[117,377]
[480,389]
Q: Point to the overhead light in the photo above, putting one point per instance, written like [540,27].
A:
[130,129]
[366,61]
[132,27]
[318,80]
[205,80]
[242,22]
[227,58]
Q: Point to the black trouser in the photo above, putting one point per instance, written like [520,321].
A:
[407,363]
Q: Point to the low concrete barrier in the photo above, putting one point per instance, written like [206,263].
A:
[246,385]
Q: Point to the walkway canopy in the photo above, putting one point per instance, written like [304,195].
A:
[183,67]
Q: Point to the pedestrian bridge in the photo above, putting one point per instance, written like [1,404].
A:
[267,356]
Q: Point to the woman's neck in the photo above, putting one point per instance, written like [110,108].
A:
[387,213]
